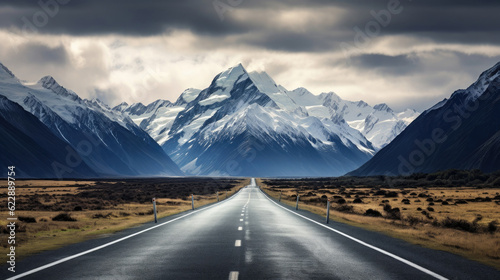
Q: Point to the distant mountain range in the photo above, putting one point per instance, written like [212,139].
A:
[242,124]
[462,132]
[50,132]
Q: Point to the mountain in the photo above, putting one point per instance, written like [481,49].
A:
[244,124]
[108,142]
[462,132]
[30,146]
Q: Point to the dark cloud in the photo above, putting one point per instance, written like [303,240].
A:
[36,53]
[439,20]
[394,65]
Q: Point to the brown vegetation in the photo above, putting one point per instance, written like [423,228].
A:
[459,214]
[54,214]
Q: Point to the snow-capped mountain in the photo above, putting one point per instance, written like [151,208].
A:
[105,140]
[285,133]
[462,132]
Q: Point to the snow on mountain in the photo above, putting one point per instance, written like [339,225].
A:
[462,132]
[106,140]
[211,133]
[339,130]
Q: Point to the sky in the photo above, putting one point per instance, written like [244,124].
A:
[408,54]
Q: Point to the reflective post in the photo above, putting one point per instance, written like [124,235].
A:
[297,205]
[328,211]
[192,201]
[217,196]
[154,209]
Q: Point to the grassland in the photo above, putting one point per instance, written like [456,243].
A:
[99,208]
[459,219]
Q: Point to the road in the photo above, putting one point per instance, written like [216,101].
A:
[248,236]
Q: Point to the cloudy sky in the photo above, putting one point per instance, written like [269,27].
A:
[404,53]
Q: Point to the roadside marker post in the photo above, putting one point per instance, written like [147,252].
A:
[297,205]
[154,209]
[217,196]
[192,201]
[328,211]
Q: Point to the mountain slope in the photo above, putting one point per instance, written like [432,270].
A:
[239,127]
[461,133]
[107,141]
[30,146]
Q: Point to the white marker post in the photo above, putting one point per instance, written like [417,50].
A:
[297,205]
[328,211]
[192,201]
[154,209]
[217,196]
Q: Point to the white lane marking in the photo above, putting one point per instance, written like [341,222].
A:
[241,220]
[405,261]
[237,243]
[242,214]
[233,275]
[240,228]
[113,242]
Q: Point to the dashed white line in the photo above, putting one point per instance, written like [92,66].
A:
[241,220]
[240,228]
[233,275]
[242,214]
[237,243]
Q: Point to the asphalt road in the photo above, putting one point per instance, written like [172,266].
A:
[248,236]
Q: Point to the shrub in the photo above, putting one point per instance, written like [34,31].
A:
[412,220]
[26,219]
[357,200]
[430,209]
[340,201]
[460,224]
[64,217]
[405,201]
[373,213]
[344,208]
[391,194]
[78,208]
[492,226]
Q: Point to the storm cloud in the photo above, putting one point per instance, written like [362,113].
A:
[405,53]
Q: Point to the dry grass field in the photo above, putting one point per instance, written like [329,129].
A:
[56,213]
[462,220]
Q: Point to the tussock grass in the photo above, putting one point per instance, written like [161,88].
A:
[469,230]
[103,208]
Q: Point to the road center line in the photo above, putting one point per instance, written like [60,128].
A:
[240,228]
[113,242]
[241,220]
[233,275]
[405,261]
[237,243]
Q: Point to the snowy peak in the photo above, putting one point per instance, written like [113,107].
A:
[48,82]
[5,73]
[484,80]
[230,76]
[187,96]
[383,108]
[120,107]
